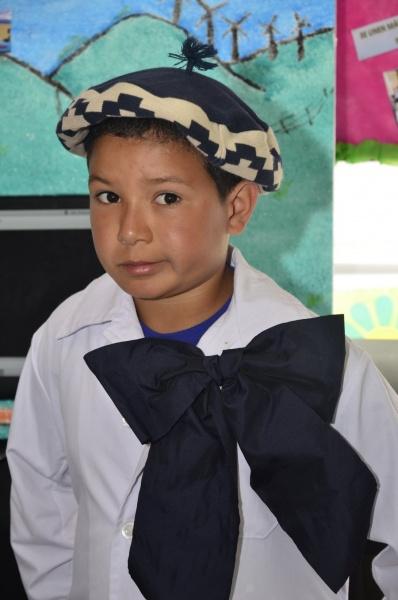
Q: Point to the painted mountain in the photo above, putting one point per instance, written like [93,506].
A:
[30,157]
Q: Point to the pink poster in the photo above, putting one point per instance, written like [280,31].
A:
[367,72]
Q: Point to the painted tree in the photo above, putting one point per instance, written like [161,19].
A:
[301,24]
[177,11]
[236,30]
[208,18]
[270,30]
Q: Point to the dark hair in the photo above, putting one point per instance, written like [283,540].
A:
[163,131]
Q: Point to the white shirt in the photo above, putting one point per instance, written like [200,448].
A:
[76,467]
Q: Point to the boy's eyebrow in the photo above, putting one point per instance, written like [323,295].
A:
[93,177]
[172,178]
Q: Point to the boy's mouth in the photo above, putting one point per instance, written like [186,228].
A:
[139,267]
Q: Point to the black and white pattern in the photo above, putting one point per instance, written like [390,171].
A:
[216,121]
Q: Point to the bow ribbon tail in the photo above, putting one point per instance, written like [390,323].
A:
[225,432]
[308,475]
[187,520]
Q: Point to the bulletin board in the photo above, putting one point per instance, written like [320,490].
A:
[367,80]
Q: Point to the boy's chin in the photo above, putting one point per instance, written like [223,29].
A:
[144,290]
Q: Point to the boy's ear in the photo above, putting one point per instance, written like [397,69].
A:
[241,201]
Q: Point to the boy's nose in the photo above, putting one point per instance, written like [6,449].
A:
[133,227]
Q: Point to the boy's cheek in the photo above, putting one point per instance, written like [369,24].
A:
[103,244]
[102,226]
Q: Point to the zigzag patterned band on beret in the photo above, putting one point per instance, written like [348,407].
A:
[214,119]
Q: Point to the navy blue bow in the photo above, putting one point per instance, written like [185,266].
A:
[275,398]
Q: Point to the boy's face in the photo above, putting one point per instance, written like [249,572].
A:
[158,224]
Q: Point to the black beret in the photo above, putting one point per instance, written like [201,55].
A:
[211,117]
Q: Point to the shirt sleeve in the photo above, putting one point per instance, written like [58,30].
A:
[367,416]
[43,506]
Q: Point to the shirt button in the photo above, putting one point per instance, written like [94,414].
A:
[127,530]
[125,422]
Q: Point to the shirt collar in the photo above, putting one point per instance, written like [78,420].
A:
[102,302]
[258,303]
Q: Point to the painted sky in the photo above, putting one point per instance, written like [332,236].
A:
[44,30]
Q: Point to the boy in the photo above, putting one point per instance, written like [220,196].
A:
[175,164]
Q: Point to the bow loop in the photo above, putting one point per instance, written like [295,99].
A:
[152,383]
[307,356]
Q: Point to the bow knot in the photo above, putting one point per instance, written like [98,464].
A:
[224,368]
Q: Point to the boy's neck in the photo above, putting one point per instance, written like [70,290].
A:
[189,309]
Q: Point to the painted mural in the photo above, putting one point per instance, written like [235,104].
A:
[278,56]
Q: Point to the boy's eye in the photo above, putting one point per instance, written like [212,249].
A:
[108,197]
[167,198]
